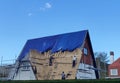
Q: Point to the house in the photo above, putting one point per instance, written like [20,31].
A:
[34,61]
[114,69]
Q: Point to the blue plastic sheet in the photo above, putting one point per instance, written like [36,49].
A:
[62,42]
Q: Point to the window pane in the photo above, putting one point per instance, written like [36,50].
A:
[114,72]
[85,51]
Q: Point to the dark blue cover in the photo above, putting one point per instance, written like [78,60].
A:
[62,42]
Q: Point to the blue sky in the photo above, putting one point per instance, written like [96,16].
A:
[21,20]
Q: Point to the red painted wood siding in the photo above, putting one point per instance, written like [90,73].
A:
[115,65]
[87,59]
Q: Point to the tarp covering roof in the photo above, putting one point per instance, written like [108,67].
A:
[62,42]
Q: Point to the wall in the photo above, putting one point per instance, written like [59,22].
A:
[62,62]
[86,62]
[114,67]
[85,71]
[87,59]
[25,74]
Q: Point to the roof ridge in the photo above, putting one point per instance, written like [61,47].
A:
[58,34]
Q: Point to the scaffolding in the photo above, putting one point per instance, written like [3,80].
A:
[5,68]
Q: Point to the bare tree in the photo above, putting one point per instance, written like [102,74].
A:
[102,56]
[102,63]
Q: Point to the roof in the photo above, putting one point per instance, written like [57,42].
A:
[63,42]
[115,63]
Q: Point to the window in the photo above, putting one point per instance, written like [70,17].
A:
[85,51]
[113,72]
[25,66]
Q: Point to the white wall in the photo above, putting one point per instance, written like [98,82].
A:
[111,59]
[84,72]
[25,74]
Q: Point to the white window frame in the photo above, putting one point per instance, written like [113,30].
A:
[85,51]
[113,71]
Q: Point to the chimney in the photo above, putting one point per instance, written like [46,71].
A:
[111,57]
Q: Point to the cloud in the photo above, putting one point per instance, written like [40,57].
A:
[46,6]
[29,14]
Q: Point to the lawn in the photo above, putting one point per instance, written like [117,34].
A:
[65,81]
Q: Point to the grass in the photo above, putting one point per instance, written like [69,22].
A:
[65,81]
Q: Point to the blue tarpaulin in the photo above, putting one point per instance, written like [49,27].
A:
[62,42]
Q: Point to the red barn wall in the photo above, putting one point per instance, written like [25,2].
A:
[114,67]
[87,59]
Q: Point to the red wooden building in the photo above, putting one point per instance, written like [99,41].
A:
[114,69]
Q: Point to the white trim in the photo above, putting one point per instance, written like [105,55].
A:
[113,71]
